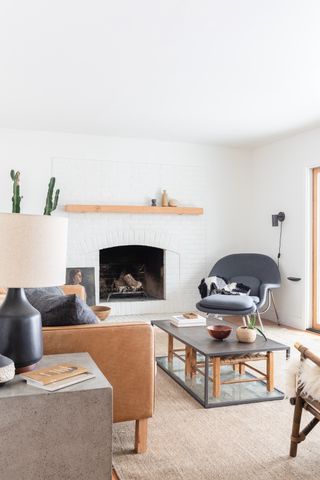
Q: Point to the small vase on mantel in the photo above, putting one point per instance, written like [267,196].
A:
[164,201]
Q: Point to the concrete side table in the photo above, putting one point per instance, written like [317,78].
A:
[64,435]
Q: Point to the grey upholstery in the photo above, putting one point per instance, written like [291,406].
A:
[259,272]
[228,304]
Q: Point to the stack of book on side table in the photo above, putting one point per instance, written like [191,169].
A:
[57,376]
[189,319]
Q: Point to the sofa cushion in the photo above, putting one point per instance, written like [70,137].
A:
[60,310]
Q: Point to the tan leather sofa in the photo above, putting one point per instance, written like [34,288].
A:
[124,352]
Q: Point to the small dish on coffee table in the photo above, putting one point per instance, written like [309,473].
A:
[219,332]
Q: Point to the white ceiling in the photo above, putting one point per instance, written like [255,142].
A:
[231,72]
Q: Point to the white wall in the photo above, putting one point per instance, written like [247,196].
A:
[95,169]
[280,174]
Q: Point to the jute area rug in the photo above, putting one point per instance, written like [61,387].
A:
[241,442]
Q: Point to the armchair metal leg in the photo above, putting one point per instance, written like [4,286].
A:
[260,321]
[214,316]
[244,321]
[274,306]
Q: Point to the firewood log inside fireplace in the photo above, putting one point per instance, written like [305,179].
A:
[126,283]
[131,282]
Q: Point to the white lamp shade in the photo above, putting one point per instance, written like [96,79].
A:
[33,250]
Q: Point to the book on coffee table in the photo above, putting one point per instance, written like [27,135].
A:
[57,377]
[182,321]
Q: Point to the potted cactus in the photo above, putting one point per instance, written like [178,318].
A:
[52,198]
[248,333]
[16,198]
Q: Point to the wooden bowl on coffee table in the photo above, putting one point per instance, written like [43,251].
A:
[219,332]
[101,311]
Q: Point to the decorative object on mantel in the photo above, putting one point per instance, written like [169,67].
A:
[16,199]
[7,370]
[33,250]
[138,209]
[164,199]
[101,311]
[248,333]
[153,202]
[173,202]
[51,202]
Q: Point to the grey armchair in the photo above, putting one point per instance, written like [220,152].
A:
[259,272]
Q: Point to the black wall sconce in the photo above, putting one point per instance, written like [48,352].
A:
[279,217]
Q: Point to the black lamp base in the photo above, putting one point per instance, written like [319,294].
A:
[20,331]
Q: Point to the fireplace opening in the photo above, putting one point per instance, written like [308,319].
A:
[131,272]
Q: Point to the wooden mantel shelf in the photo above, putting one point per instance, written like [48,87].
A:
[133,209]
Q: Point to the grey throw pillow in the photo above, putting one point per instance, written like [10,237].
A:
[61,310]
[43,291]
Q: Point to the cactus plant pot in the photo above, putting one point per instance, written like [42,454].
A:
[246,335]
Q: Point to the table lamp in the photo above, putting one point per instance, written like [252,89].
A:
[33,250]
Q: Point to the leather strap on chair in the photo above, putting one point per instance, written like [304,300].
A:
[298,439]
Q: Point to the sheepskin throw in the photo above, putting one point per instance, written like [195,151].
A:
[309,379]
[213,285]
[210,285]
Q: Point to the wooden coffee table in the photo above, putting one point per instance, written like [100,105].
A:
[220,373]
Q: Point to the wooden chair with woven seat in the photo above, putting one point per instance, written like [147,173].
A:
[302,401]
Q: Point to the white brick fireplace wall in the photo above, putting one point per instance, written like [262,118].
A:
[183,237]
[183,253]
[191,176]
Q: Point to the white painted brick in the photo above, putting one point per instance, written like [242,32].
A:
[182,237]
